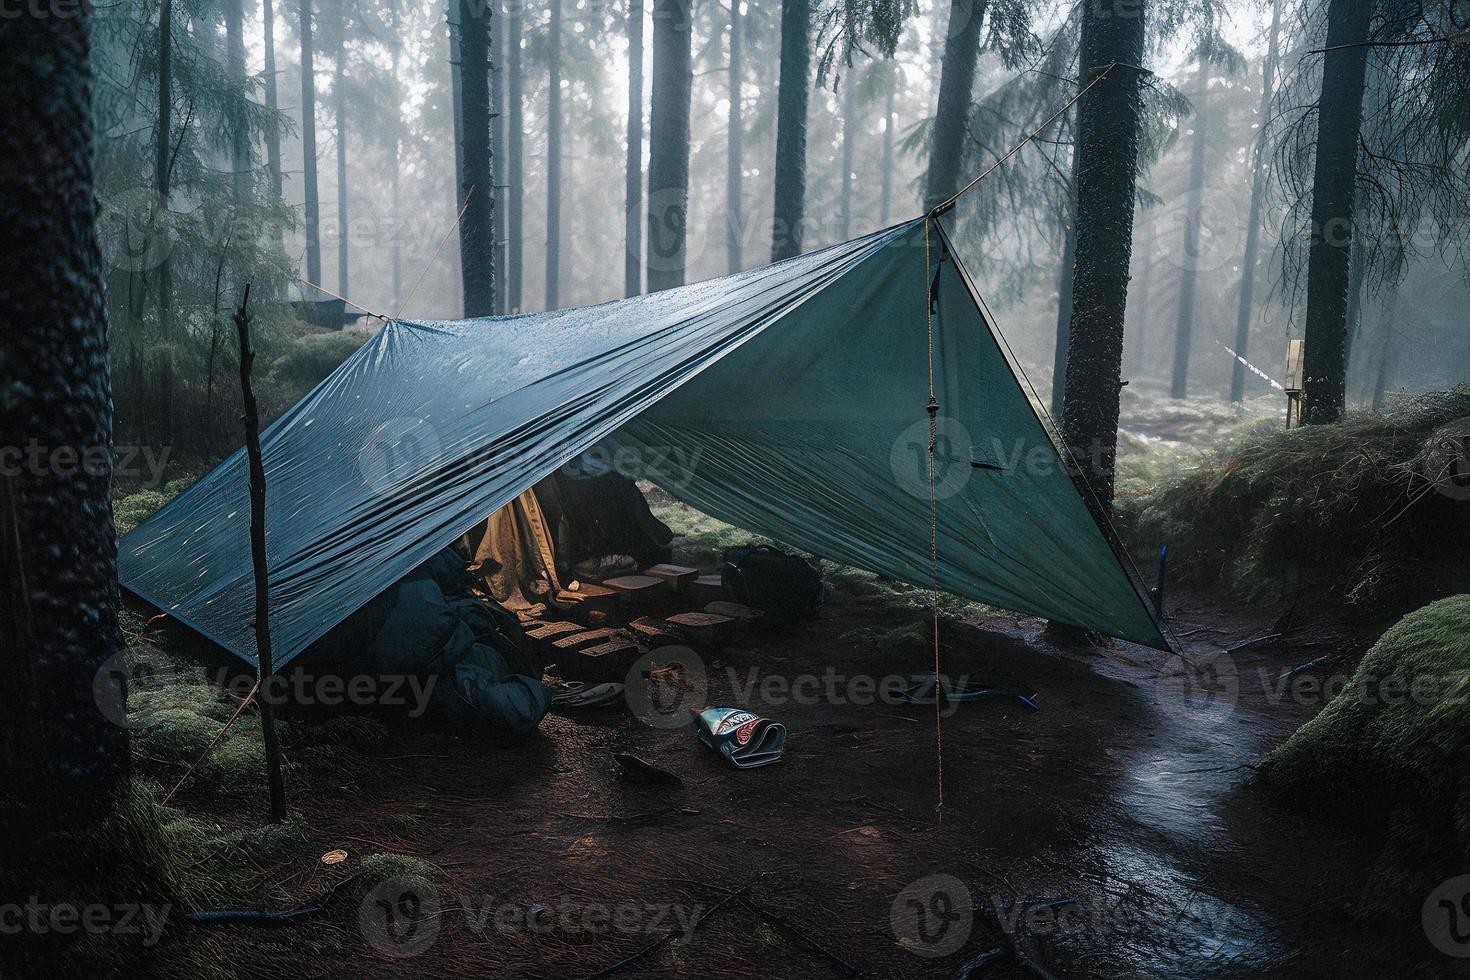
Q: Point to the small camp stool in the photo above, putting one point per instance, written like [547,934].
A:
[704,589]
[564,649]
[678,576]
[745,617]
[543,636]
[641,592]
[653,632]
[608,661]
[704,629]
[587,599]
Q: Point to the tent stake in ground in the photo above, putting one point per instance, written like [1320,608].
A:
[257,554]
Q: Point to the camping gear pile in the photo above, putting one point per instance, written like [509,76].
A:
[429,625]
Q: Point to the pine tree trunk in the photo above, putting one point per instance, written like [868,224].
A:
[793,89]
[515,160]
[497,146]
[553,160]
[308,149]
[633,168]
[952,117]
[1339,120]
[1105,169]
[272,101]
[1246,309]
[734,150]
[476,228]
[456,96]
[1140,308]
[239,128]
[163,155]
[1387,348]
[1064,308]
[64,681]
[849,133]
[1193,242]
[885,194]
[668,143]
[339,100]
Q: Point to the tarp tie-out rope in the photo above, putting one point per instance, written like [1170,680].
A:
[212,743]
[930,293]
[435,257]
[944,206]
[342,298]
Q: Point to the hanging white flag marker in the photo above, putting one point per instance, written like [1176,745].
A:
[1254,370]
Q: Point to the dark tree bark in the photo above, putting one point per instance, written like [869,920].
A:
[59,638]
[515,162]
[956,83]
[272,135]
[1248,260]
[885,194]
[308,149]
[497,147]
[735,150]
[339,103]
[793,90]
[553,161]
[1189,258]
[668,143]
[1104,171]
[1064,308]
[476,228]
[1339,120]
[163,153]
[456,96]
[633,170]
[239,128]
[849,133]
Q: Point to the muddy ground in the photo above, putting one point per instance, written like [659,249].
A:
[1127,793]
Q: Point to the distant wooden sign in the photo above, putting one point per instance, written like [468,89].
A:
[1296,353]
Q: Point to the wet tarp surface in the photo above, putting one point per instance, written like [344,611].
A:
[789,399]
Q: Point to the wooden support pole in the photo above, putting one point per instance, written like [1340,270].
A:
[257,554]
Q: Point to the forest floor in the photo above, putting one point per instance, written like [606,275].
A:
[1127,792]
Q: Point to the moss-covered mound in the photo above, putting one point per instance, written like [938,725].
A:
[1392,750]
[1353,504]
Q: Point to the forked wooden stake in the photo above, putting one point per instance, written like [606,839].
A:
[257,554]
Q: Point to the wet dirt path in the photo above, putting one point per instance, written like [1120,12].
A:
[1123,795]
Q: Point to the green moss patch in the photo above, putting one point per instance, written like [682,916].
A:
[1392,751]
[1350,501]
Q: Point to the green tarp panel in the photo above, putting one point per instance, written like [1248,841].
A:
[790,400]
